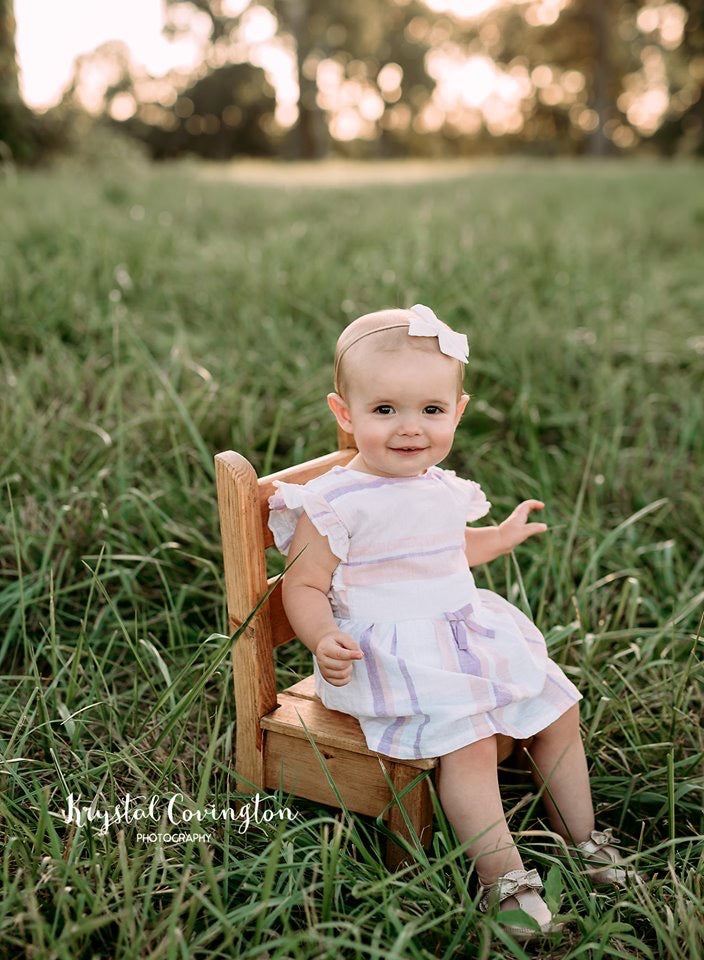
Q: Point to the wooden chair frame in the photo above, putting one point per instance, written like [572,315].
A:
[273,750]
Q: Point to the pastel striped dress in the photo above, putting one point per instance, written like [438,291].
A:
[445,663]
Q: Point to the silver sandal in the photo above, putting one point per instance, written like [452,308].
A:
[523,886]
[600,849]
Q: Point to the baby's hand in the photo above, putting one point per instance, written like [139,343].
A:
[334,653]
[516,528]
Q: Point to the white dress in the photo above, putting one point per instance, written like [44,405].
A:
[445,663]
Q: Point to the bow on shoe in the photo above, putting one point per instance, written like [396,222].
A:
[509,885]
[606,863]
[603,838]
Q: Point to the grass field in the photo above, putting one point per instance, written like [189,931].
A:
[153,316]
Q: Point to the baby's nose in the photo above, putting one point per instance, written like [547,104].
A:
[409,426]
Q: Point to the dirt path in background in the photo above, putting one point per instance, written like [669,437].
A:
[339,173]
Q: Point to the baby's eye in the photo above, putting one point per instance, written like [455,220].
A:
[431,408]
[384,408]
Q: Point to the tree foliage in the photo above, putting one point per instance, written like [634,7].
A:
[600,56]
[224,113]
[603,76]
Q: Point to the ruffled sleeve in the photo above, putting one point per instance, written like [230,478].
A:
[470,494]
[286,506]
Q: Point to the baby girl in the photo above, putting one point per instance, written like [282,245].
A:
[383,595]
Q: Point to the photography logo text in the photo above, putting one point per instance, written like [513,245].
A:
[169,819]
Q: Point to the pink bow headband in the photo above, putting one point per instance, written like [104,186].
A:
[422,323]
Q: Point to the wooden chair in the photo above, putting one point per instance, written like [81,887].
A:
[272,747]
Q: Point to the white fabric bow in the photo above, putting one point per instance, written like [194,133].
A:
[602,837]
[509,885]
[426,324]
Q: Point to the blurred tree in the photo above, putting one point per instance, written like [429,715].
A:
[637,67]
[362,69]
[111,64]
[23,135]
[229,111]
[358,40]
[382,62]
[684,125]
[584,43]
[590,37]
[309,138]
[13,113]
[310,134]
[604,73]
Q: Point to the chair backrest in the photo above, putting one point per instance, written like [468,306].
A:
[241,512]
[244,512]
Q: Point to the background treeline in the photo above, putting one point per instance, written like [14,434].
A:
[547,77]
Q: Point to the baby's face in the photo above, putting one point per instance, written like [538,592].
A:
[403,409]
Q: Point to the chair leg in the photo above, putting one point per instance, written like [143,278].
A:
[419,809]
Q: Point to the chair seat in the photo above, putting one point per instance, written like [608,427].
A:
[291,762]
[300,705]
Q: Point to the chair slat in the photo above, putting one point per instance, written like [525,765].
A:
[292,765]
[281,629]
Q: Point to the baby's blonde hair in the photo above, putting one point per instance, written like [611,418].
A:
[389,328]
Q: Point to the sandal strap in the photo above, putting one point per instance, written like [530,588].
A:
[510,884]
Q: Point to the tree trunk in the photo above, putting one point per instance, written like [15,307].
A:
[598,145]
[20,131]
[9,81]
[310,135]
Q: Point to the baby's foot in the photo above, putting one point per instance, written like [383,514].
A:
[600,848]
[518,890]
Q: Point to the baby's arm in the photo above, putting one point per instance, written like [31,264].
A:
[483,544]
[305,588]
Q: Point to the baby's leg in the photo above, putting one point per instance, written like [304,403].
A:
[558,753]
[469,794]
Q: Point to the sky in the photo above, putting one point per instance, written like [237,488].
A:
[51,34]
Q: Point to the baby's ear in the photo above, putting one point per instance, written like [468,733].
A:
[461,404]
[340,411]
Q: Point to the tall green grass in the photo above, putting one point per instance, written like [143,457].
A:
[152,317]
